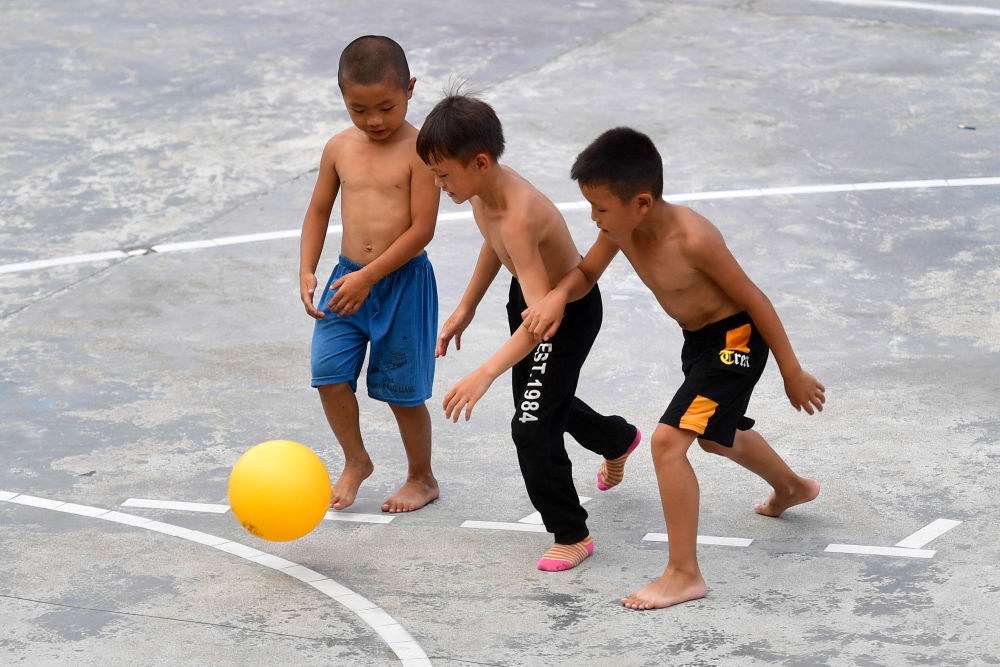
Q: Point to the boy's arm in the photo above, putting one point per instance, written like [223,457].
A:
[352,289]
[315,225]
[522,245]
[542,319]
[487,267]
[713,257]
[467,391]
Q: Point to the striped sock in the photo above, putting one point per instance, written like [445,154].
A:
[613,470]
[565,556]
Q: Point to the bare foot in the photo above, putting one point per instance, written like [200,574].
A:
[346,488]
[413,495]
[777,504]
[668,590]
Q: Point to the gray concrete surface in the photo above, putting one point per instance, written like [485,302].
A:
[126,127]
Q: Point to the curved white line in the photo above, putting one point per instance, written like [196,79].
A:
[392,633]
[465,215]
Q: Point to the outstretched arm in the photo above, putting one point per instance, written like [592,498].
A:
[467,391]
[542,319]
[353,288]
[315,225]
[713,257]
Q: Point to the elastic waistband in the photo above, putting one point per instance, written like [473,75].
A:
[720,327]
[416,261]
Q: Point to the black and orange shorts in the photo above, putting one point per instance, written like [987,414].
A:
[722,363]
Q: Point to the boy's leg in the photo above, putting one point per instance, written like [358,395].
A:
[543,384]
[682,580]
[341,408]
[610,436]
[420,487]
[752,452]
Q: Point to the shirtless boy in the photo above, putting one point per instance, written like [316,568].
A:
[382,290]
[462,140]
[728,323]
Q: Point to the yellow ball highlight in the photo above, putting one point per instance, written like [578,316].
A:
[279,490]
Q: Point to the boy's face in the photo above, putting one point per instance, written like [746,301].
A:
[459,182]
[378,109]
[612,215]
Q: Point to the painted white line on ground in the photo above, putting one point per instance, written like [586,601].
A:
[499,525]
[536,517]
[704,539]
[402,644]
[564,206]
[338,515]
[342,515]
[927,534]
[922,6]
[149,503]
[879,551]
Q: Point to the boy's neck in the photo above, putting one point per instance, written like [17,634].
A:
[658,220]
[493,192]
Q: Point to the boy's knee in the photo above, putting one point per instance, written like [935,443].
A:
[670,441]
[712,447]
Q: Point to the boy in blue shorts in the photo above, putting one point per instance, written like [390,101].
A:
[382,290]
[729,327]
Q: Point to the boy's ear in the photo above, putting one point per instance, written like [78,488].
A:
[643,201]
[409,88]
[482,161]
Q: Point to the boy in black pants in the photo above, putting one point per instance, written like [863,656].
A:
[461,140]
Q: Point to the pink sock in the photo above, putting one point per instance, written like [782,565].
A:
[613,470]
[565,556]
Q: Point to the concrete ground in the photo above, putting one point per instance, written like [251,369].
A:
[133,366]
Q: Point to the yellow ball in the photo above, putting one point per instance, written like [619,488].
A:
[279,490]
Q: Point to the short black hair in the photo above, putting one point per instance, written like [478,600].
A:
[623,159]
[460,127]
[373,59]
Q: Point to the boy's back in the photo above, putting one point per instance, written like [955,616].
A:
[524,228]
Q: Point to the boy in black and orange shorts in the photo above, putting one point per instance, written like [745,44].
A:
[729,328]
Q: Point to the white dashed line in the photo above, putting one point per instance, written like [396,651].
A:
[704,539]
[928,533]
[338,515]
[405,647]
[908,547]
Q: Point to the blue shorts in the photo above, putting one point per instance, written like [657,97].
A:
[399,318]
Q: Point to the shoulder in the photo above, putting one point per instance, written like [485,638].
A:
[340,142]
[699,238]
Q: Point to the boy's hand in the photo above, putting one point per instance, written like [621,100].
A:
[542,320]
[465,394]
[307,287]
[453,328]
[352,290]
[804,391]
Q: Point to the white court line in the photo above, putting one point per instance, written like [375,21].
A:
[500,525]
[879,551]
[928,533]
[149,503]
[341,515]
[536,517]
[392,633]
[337,515]
[908,547]
[464,215]
[704,539]
[922,6]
